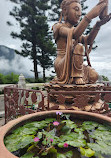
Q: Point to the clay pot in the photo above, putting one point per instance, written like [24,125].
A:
[4,153]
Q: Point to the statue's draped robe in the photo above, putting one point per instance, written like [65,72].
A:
[64,63]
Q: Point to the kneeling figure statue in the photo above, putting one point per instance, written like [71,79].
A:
[72,45]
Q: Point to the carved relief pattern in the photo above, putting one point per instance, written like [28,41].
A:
[92,101]
[19,102]
[81,101]
[107,97]
[61,99]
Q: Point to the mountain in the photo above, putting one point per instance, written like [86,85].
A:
[6,53]
[12,62]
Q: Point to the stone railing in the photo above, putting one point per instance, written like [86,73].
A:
[20,102]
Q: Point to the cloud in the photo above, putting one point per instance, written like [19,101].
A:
[18,65]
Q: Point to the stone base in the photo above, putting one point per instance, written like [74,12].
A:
[70,91]
[76,97]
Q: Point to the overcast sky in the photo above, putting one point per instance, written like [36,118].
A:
[100,58]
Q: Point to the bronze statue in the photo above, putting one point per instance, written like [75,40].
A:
[70,42]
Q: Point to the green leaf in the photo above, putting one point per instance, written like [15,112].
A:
[87,152]
[61,145]
[77,143]
[44,153]
[28,155]
[69,154]
[28,131]
[30,148]
[18,130]
[98,155]
[70,124]
[26,140]
[72,136]
[59,155]
[78,130]
[100,147]
[104,128]
[65,155]
[39,135]
[12,147]
[89,125]
[104,136]
[48,120]
[65,130]
[52,150]
[12,139]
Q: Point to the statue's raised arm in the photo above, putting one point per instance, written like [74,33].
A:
[70,41]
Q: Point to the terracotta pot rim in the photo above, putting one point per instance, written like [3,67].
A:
[4,129]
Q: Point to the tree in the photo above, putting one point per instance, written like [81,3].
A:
[105,78]
[47,51]
[31,16]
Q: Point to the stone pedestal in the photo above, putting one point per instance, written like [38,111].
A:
[77,97]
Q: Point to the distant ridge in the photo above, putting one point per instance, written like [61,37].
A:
[12,62]
[7,53]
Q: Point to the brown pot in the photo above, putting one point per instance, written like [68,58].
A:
[4,153]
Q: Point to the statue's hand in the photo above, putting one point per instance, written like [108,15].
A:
[97,10]
[104,13]
[104,20]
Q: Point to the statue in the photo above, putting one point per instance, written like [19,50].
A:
[72,45]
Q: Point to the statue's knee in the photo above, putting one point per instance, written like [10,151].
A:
[93,76]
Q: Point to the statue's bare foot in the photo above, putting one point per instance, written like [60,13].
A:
[79,81]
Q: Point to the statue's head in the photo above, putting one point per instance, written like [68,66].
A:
[71,10]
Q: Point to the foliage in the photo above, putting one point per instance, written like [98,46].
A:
[37,42]
[46,138]
[104,78]
[33,80]
[9,79]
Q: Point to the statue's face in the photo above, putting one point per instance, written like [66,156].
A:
[74,13]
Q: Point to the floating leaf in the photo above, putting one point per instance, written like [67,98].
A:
[26,140]
[12,146]
[28,155]
[87,152]
[72,136]
[52,150]
[89,125]
[65,155]
[59,155]
[28,131]
[77,143]
[70,124]
[100,147]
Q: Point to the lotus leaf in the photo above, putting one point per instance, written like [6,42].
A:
[100,147]
[89,125]
[65,155]
[28,155]
[70,124]
[26,140]
[87,152]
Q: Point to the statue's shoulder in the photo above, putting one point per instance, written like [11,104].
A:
[56,26]
[55,29]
